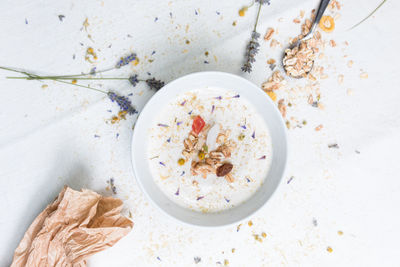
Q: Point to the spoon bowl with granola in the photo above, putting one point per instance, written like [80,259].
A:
[209,149]
[298,59]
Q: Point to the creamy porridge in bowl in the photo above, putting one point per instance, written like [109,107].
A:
[209,149]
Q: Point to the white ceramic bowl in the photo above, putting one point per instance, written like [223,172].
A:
[261,102]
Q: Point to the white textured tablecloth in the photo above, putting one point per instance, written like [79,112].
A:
[47,136]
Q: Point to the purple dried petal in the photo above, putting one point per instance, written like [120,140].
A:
[263,157]
[212,109]
[236,96]
[227,200]
[109,110]
[117,135]
[243,126]
[290,179]
[177,192]
[96,136]
[155,19]
[162,163]
[179,123]
[195,12]
[254,134]
[183,103]
[169,140]
[183,173]
[248,180]
[152,53]
[190,112]
[162,125]
[206,62]
[158,258]
[218,97]
[218,13]
[198,198]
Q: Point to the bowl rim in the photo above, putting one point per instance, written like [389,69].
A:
[170,216]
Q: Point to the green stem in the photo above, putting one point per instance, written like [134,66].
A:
[79,75]
[79,85]
[258,15]
[66,78]
[369,15]
[36,77]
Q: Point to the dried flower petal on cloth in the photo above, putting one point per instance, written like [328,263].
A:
[71,229]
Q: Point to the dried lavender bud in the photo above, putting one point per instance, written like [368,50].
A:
[263,2]
[133,80]
[155,84]
[123,102]
[125,60]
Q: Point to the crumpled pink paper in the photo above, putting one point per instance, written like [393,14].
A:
[71,229]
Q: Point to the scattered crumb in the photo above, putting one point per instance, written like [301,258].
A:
[197,259]
[364,75]
[268,34]
[272,95]
[282,107]
[250,223]
[350,92]
[332,43]
[233,250]
[264,235]
[340,78]
[257,238]
[340,233]
[273,43]
[226,262]
[315,222]
[85,24]
[350,63]
[329,249]
[44,86]
[296,20]
[234,23]
[319,127]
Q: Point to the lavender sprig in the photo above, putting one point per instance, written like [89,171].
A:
[123,102]
[155,84]
[253,46]
[125,60]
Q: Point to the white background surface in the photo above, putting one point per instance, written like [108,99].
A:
[47,135]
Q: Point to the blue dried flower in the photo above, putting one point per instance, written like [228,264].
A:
[123,102]
[133,80]
[155,84]
[125,60]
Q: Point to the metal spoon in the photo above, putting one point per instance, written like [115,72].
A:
[321,9]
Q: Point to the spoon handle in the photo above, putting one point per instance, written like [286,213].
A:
[321,9]
[322,6]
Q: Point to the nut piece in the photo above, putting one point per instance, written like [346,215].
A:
[229,178]
[225,150]
[224,169]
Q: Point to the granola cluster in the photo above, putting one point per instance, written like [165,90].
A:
[209,162]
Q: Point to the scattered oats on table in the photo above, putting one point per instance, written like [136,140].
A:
[268,34]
